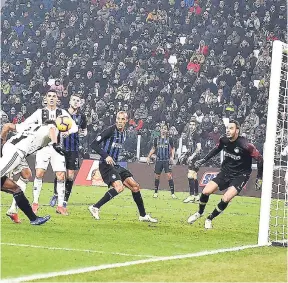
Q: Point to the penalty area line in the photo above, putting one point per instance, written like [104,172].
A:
[123,264]
[72,250]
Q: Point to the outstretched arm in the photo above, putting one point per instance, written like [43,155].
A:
[211,153]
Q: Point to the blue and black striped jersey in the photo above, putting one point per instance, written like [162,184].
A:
[163,148]
[71,143]
[109,143]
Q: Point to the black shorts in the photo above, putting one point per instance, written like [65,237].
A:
[224,181]
[72,160]
[160,165]
[114,173]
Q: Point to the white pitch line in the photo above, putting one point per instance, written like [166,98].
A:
[116,265]
[72,250]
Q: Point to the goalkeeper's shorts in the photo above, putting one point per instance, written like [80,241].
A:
[224,181]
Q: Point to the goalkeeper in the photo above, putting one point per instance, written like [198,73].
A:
[234,174]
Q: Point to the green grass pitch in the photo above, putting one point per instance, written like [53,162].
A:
[119,237]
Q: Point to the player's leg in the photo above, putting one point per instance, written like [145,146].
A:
[112,178]
[131,184]
[117,188]
[193,187]
[10,159]
[58,165]
[168,171]
[209,189]
[68,185]
[54,198]
[235,187]
[41,164]
[157,171]
[8,186]
[286,186]
[25,175]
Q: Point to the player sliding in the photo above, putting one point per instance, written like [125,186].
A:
[165,150]
[114,175]
[234,174]
[8,186]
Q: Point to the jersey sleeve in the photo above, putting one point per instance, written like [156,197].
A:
[74,127]
[219,146]
[83,125]
[20,128]
[171,142]
[254,153]
[155,143]
[35,118]
[106,134]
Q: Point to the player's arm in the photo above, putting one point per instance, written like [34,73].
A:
[152,151]
[172,155]
[210,154]
[254,153]
[197,150]
[74,127]
[96,145]
[83,127]
[53,134]
[5,131]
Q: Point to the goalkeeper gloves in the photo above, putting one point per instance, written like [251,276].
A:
[258,184]
[198,164]
[58,148]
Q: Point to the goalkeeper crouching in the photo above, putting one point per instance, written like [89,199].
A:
[234,174]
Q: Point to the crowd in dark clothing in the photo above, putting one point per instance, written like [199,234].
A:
[184,63]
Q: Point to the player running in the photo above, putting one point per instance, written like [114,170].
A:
[115,176]
[8,186]
[71,147]
[165,151]
[47,154]
[234,174]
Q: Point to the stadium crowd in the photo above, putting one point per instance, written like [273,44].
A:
[185,63]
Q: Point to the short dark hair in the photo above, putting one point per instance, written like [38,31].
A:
[51,90]
[235,122]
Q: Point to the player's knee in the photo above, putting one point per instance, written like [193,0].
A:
[157,176]
[40,173]
[60,176]
[226,198]
[119,188]
[136,188]
[26,174]
[169,176]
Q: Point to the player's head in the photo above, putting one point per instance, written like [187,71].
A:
[75,101]
[121,120]
[232,129]
[164,130]
[51,98]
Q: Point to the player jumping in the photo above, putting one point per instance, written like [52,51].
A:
[165,150]
[115,176]
[234,174]
[28,139]
[71,147]
[47,154]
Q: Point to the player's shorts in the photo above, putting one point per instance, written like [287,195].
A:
[72,160]
[114,173]
[49,154]
[163,165]
[11,158]
[225,181]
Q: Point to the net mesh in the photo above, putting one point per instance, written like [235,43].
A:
[279,204]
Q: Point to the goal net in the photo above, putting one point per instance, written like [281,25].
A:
[274,199]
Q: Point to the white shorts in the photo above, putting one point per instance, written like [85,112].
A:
[48,154]
[11,158]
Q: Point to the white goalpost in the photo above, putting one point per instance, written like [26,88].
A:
[273,211]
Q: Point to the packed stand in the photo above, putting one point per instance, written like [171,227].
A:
[184,63]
